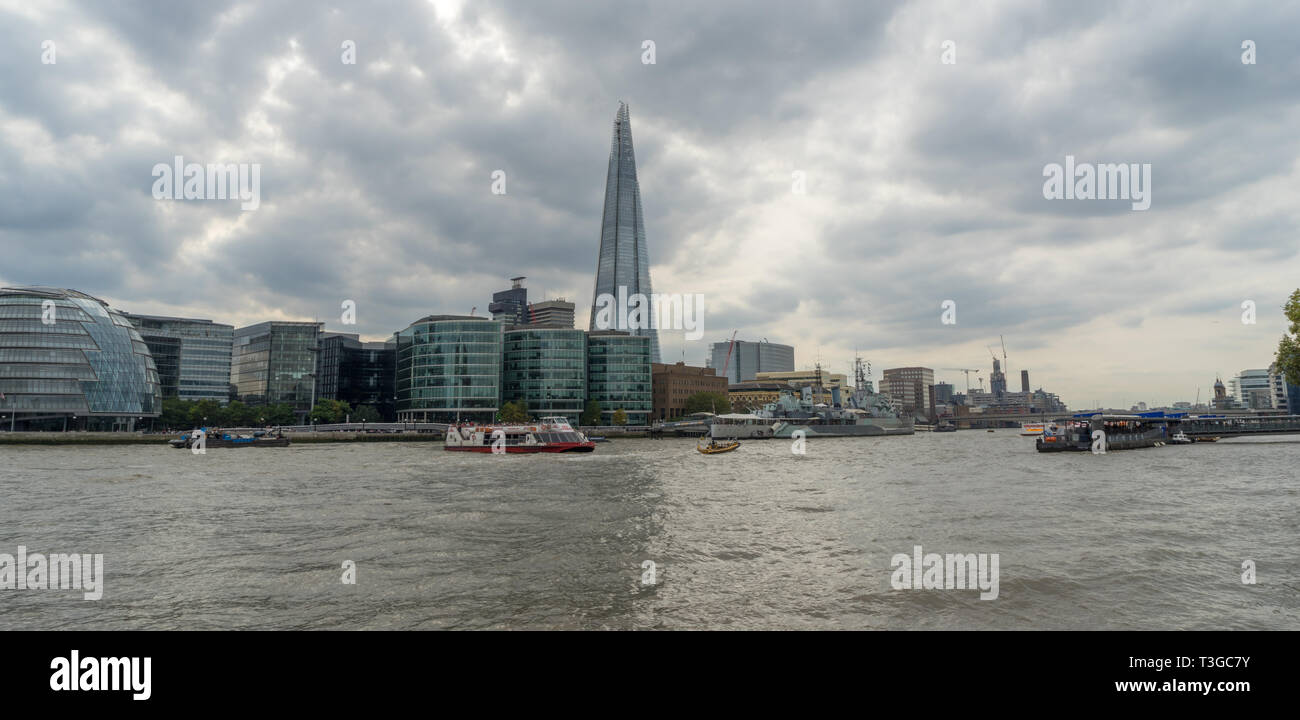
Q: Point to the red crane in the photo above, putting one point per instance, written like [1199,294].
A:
[727,364]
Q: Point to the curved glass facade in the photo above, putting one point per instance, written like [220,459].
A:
[618,375]
[66,356]
[449,368]
[547,369]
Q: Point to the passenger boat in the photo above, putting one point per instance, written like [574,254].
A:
[1180,438]
[1031,429]
[222,439]
[550,435]
[1123,432]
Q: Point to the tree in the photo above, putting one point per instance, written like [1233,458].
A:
[1288,350]
[205,412]
[175,414]
[514,412]
[591,416]
[330,411]
[366,413]
[713,402]
[279,414]
[620,417]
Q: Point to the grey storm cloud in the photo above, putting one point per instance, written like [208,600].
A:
[924,180]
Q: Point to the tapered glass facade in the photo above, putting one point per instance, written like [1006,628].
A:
[624,261]
[67,360]
[618,375]
[449,369]
[547,369]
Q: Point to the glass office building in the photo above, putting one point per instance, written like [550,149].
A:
[748,359]
[624,261]
[547,369]
[68,361]
[193,356]
[618,375]
[357,373]
[449,369]
[275,362]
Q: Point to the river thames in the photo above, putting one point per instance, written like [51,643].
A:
[760,538]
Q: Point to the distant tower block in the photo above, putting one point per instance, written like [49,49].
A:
[1024,381]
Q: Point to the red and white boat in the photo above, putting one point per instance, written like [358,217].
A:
[551,435]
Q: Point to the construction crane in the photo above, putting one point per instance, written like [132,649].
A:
[968,371]
[727,363]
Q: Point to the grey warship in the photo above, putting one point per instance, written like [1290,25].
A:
[865,414]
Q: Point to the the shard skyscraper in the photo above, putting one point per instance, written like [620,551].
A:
[624,261]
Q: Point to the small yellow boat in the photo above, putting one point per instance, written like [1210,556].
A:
[714,447]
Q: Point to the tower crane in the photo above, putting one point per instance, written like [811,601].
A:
[968,371]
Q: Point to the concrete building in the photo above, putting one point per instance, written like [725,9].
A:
[192,356]
[558,313]
[674,384]
[1024,381]
[750,358]
[801,378]
[908,387]
[754,394]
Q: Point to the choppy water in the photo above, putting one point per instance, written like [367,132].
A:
[758,538]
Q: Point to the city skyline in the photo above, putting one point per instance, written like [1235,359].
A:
[377,176]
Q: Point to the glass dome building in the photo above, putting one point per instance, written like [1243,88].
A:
[69,361]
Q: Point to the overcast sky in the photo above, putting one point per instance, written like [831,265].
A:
[924,179]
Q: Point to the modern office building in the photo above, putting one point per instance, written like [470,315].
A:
[750,358]
[357,373]
[801,378]
[192,356]
[558,312]
[546,368]
[624,260]
[449,369]
[1252,389]
[943,393]
[511,306]
[1024,381]
[674,384]
[618,375]
[1286,397]
[275,362]
[68,361]
[908,387]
